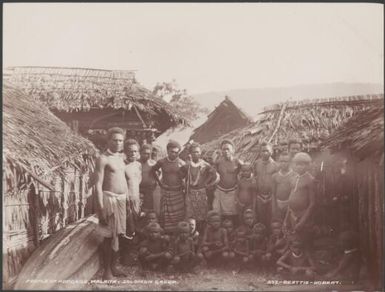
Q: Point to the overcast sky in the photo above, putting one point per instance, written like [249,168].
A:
[205,47]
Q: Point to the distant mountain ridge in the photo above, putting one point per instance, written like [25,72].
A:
[253,100]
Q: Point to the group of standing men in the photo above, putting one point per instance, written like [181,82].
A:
[127,177]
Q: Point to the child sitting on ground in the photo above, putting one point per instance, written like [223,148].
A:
[241,246]
[214,243]
[259,246]
[154,252]
[247,223]
[194,234]
[231,236]
[185,258]
[247,188]
[296,262]
[277,243]
[349,266]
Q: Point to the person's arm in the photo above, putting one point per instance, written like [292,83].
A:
[342,265]
[99,178]
[205,238]
[212,177]
[282,261]
[310,208]
[225,240]
[155,172]
[274,195]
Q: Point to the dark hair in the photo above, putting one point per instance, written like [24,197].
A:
[173,144]
[146,147]
[268,145]
[194,145]
[130,142]
[228,142]
[115,130]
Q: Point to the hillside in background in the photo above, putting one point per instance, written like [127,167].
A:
[253,100]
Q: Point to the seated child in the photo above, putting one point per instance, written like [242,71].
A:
[229,226]
[349,266]
[296,261]
[185,257]
[247,188]
[154,252]
[277,243]
[247,223]
[194,234]
[241,246]
[259,245]
[214,243]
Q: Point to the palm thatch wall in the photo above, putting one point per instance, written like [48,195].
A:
[46,169]
[362,137]
[310,121]
[223,119]
[88,91]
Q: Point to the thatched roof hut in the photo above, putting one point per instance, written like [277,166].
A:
[223,119]
[362,139]
[45,172]
[93,100]
[310,121]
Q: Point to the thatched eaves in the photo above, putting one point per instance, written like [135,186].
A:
[362,135]
[83,89]
[35,141]
[310,121]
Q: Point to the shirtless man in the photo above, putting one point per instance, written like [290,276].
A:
[133,172]
[265,167]
[111,190]
[172,202]
[228,167]
[199,176]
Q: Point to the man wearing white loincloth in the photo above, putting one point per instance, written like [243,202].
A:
[111,190]
[225,194]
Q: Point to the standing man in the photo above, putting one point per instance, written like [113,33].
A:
[199,176]
[148,184]
[111,190]
[294,146]
[228,167]
[265,167]
[172,201]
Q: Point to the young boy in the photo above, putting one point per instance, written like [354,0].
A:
[148,183]
[231,235]
[194,233]
[281,186]
[349,266]
[265,167]
[185,257]
[199,176]
[154,252]
[215,243]
[296,261]
[277,243]
[247,188]
[259,246]
[172,190]
[133,172]
[301,200]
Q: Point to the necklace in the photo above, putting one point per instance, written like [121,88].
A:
[169,160]
[114,153]
[296,256]
[289,172]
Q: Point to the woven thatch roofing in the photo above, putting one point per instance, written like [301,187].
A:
[362,135]
[35,140]
[223,119]
[82,89]
[310,121]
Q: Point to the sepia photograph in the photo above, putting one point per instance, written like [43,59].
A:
[193,146]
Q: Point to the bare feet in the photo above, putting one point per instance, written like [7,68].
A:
[117,272]
[107,275]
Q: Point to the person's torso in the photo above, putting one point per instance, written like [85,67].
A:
[246,188]
[228,171]
[171,174]
[197,174]
[114,174]
[264,174]
[147,177]
[299,195]
[283,184]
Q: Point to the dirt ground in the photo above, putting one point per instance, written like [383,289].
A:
[213,279]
